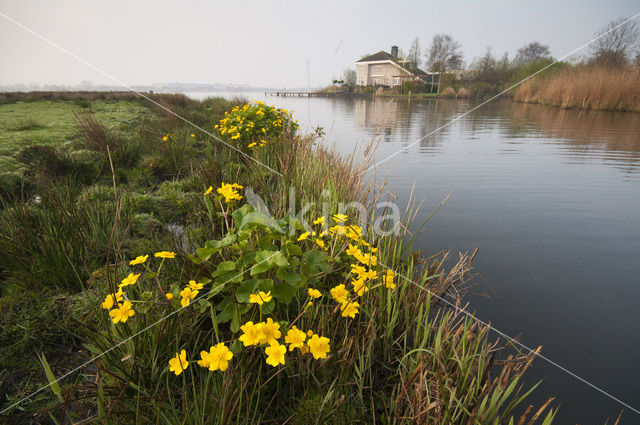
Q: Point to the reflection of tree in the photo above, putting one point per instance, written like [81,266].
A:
[584,131]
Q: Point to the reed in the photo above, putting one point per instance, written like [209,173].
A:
[585,87]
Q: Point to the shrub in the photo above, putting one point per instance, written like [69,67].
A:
[255,124]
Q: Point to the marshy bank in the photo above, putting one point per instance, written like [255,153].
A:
[84,204]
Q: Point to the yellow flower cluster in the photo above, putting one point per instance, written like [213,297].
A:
[268,332]
[229,192]
[255,124]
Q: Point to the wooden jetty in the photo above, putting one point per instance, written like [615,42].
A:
[285,93]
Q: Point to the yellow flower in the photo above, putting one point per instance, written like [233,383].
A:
[359,286]
[187,295]
[229,191]
[295,338]
[340,218]
[122,312]
[314,293]
[353,232]
[319,346]
[208,191]
[319,220]
[169,296]
[165,254]
[357,269]
[310,304]
[217,358]
[165,137]
[339,230]
[252,144]
[129,280]
[353,251]
[193,135]
[260,298]
[309,333]
[320,243]
[112,299]
[303,236]
[178,363]
[270,331]
[138,260]
[388,279]
[275,353]
[195,286]
[349,309]
[339,293]
[252,334]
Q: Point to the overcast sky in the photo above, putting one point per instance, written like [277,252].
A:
[269,43]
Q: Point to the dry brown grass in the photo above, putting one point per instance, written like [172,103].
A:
[585,87]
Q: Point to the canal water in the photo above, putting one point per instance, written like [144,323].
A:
[550,197]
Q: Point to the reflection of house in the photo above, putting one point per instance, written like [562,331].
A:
[376,113]
[384,69]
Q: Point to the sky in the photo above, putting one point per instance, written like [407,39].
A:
[280,44]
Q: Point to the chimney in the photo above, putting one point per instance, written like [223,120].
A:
[394,51]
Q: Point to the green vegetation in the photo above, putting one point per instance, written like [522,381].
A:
[86,207]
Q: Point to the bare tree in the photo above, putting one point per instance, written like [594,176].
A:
[413,57]
[444,53]
[617,43]
[532,52]
[349,77]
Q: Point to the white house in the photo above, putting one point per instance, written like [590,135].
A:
[384,69]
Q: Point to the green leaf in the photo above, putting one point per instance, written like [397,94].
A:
[53,383]
[225,266]
[314,262]
[284,293]
[265,260]
[290,277]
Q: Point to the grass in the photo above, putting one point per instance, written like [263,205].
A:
[98,190]
[585,87]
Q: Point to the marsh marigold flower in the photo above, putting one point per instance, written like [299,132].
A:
[229,191]
[349,309]
[275,353]
[138,260]
[129,280]
[320,243]
[252,334]
[319,220]
[112,299]
[388,279]
[359,286]
[179,363]
[208,191]
[295,338]
[187,295]
[270,331]
[217,358]
[340,218]
[122,312]
[319,346]
[303,236]
[260,298]
[165,254]
[169,296]
[339,293]
[195,286]
[314,293]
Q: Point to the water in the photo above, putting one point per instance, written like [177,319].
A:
[552,200]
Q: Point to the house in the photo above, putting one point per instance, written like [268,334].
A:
[387,69]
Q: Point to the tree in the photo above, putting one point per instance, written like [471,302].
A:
[531,52]
[443,54]
[350,77]
[413,57]
[616,44]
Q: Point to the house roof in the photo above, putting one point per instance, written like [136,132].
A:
[383,56]
[380,56]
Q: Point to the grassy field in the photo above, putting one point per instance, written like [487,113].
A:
[338,338]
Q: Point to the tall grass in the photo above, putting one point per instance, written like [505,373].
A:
[585,87]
